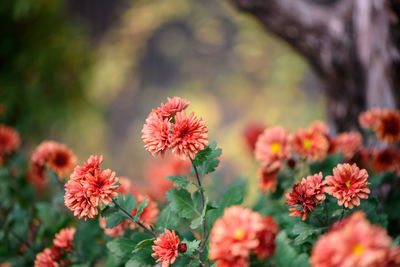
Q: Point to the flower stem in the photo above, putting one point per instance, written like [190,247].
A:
[203,235]
[132,219]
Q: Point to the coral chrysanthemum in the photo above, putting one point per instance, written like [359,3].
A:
[310,144]
[385,160]
[251,133]
[272,147]
[307,194]
[388,126]
[268,180]
[9,141]
[88,187]
[150,213]
[348,184]
[156,134]
[347,143]
[361,244]
[319,127]
[369,119]
[239,233]
[166,248]
[45,259]
[64,238]
[173,106]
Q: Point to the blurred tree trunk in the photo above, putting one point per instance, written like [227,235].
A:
[353,45]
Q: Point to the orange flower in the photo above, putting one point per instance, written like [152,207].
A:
[388,126]
[348,184]
[319,127]
[353,243]
[369,119]
[44,259]
[251,133]
[268,180]
[36,177]
[156,134]
[239,233]
[272,147]
[125,187]
[385,160]
[173,106]
[9,141]
[307,194]
[166,248]
[63,239]
[150,212]
[62,160]
[347,143]
[310,144]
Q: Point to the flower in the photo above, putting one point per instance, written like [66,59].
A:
[385,160]
[310,144]
[150,213]
[42,152]
[354,243]
[156,134]
[9,141]
[36,177]
[348,184]
[173,106]
[388,126]
[125,187]
[88,187]
[64,239]
[348,143]
[319,127]
[62,160]
[166,248]
[369,119]
[189,135]
[44,259]
[268,180]
[307,194]
[251,132]
[116,231]
[273,146]
[239,233]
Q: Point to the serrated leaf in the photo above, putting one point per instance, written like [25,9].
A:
[167,219]
[196,223]
[233,196]
[121,248]
[114,216]
[181,202]
[145,243]
[304,232]
[140,208]
[179,181]
[128,203]
[191,246]
[286,255]
[206,160]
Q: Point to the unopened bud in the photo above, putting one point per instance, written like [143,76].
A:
[182,247]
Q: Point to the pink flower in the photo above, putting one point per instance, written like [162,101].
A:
[266,237]
[272,147]
[9,141]
[388,126]
[307,194]
[64,238]
[251,133]
[156,134]
[268,180]
[347,143]
[369,119]
[173,106]
[310,144]
[355,242]
[44,259]
[166,248]
[348,184]
[319,127]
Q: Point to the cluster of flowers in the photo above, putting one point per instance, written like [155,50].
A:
[56,255]
[10,141]
[348,184]
[169,127]
[353,241]
[50,155]
[239,233]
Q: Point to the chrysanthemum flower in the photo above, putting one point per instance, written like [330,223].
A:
[385,160]
[348,184]
[64,238]
[369,118]
[251,133]
[42,152]
[9,141]
[173,106]
[44,259]
[189,135]
[347,143]
[267,180]
[156,134]
[125,187]
[319,127]
[310,144]
[307,194]
[388,126]
[272,147]
[36,177]
[166,248]
[150,213]
[62,160]
[354,243]
[90,167]
[239,233]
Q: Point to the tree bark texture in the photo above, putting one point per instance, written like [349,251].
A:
[353,45]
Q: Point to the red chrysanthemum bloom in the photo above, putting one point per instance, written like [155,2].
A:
[88,187]
[319,127]
[62,160]
[307,194]
[385,160]
[310,144]
[272,147]
[156,134]
[173,106]
[354,243]
[166,248]
[251,133]
[9,141]
[64,239]
[348,184]
[36,177]
[44,259]
[394,257]
[42,152]
[347,143]
[267,180]
[189,135]
[239,233]
[369,118]
[388,126]
[150,213]
[116,231]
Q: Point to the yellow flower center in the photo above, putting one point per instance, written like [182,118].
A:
[275,148]
[239,234]
[358,250]
[307,143]
[348,183]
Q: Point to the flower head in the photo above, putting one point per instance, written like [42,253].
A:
[388,126]
[62,160]
[173,106]
[353,243]
[307,194]
[348,184]
[369,119]
[268,180]
[385,160]
[347,143]
[319,127]
[9,141]
[310,144]
[166,248]
[44,259]
[251,133]
[156,134]
[63,239]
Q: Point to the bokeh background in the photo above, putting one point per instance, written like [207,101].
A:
[87,73]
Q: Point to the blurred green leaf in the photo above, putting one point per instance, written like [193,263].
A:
[181,202]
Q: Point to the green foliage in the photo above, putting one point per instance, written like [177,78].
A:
[179,180]
[167,219]
[191,246]
[181,203]
[286,255]
[326,166]
[206,160]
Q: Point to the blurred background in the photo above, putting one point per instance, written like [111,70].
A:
[87,73]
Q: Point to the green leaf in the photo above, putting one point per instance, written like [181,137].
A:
[327,165]
[233,196]
[145,243]
[140,208]
[181,202]
[191,246]
[286,255]
[121,248]
[114,215]
[128,203]
[179,180]
[196,223]
[206,160]
[167,219]
[304,232]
